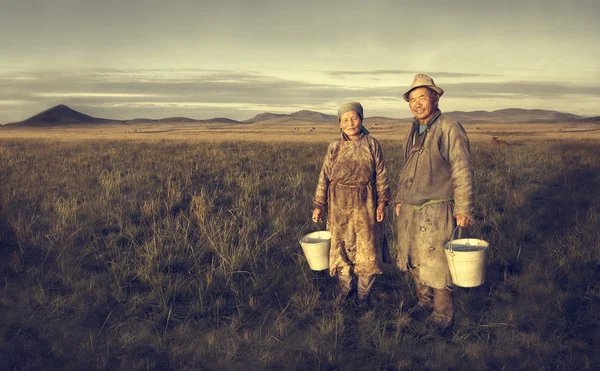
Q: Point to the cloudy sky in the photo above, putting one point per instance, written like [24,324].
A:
[124,59]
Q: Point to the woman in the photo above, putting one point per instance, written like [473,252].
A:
[353,189]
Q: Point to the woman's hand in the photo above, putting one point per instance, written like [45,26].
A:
[463,221]
[317,215]
[380,212]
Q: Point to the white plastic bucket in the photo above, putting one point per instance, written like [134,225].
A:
[316,249]
[466,259]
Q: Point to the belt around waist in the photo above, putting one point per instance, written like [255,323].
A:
[353,185]
[431,202]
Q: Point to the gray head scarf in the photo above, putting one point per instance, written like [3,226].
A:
[350,106]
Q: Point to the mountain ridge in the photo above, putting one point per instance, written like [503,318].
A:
[62,115]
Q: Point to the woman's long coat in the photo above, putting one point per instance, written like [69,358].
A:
[352,182]
[437,168]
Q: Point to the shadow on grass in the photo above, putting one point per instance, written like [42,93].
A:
[553,210]
[8,246]
[568,216]
[543,280]
[22,345]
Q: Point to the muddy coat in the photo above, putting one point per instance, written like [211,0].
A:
[437,167]
[352,182]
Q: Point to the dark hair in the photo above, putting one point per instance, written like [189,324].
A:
[432,93]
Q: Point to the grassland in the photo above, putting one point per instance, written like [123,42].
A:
[300,131]
[158,252]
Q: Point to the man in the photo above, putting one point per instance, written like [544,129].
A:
[435,193]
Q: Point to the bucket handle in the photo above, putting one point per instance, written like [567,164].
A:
[460,234]
[303,229]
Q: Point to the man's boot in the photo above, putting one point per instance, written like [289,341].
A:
[365,283]
[424,304]
[346,288]
[443,309]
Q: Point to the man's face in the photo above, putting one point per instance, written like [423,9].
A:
[350,123]
[422,103]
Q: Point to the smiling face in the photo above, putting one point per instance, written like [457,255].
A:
[351,123]
[423,103]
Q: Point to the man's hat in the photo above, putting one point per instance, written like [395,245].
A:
[422,80]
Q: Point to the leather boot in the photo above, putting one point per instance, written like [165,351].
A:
[365,283]
[424,304]
[346,287]
[443,309]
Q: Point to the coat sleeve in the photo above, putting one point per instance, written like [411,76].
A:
[320,200]
[384,195]
[459,157]
[399,199]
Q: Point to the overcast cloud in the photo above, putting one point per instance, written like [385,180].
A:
[234,58]
[202,94]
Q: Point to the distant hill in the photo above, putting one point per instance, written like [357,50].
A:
[221,120]
[181,120]
[60,115]
[64,115]
[589,120]
[512,115]
[314,116]
[176,120]
[509,115]
[304,115]
[264,117]
[158,121]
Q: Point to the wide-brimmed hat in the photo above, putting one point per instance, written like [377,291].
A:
[422,80]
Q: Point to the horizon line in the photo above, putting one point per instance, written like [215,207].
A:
[289,114]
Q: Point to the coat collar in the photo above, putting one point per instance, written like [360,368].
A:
[431,121]
[415,130]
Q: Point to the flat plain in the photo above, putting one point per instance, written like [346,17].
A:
[302,131]
[175,247]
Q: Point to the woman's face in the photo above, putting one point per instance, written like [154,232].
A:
[351,124]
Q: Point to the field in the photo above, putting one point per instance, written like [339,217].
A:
[148,248]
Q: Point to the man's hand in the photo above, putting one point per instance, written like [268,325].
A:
[317,215]
[398,209]
[380,212]
[463,221]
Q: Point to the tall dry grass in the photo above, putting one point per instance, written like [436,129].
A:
[184,255]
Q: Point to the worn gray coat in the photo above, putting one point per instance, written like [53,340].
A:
[437,167]
[352,182]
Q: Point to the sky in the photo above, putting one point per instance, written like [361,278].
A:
[125,59]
